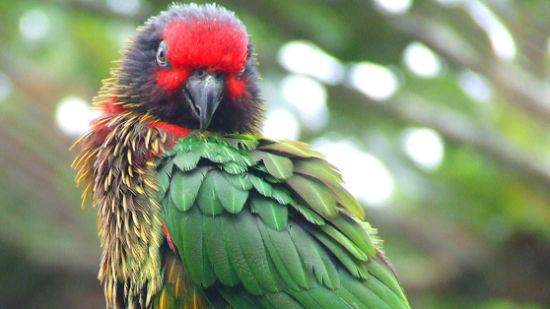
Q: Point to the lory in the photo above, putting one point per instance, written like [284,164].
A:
[196,209]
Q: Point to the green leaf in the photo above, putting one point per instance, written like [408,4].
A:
[277,166]
[271,212]
[315,194]
[207,198]
[185,186]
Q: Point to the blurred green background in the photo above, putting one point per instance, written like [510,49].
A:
[436,111]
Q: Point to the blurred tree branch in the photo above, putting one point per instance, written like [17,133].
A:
[457,127]
[451,249]
[454,126]
[522,89]
[99,8]
[456,255]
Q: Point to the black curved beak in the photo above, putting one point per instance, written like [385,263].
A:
[204,91]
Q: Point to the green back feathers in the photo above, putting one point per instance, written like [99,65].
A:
[270,220]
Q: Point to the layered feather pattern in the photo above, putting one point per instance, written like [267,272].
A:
[264,223]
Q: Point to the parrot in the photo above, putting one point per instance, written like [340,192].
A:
[196,208]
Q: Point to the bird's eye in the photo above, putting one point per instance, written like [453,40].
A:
[162,59]
[241,72]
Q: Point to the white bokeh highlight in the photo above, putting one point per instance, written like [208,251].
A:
[34,25]
[421,60]
[475,86]
[281,124]
[393,6]
[364,175]
[373,80]
[128,7]
[501,40]
[306,58]
[6,86]
[423,146]
[449,2]
[309,97]
[73,115]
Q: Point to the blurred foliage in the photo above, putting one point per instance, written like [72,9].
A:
[472,233]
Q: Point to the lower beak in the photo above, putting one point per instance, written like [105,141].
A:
[204,92]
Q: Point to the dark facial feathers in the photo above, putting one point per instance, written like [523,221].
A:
[142,86]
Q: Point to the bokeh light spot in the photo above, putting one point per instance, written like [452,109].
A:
[375,81]
[421,60]
[5,86]
[501,40]
[393,6]
[34,25]
[449,2]
[424,146]
[306,58]
[309,97]
[73,115]
[364,175]
[281,124]
[128,7]
[475,86]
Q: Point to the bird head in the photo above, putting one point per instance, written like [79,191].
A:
[192,66]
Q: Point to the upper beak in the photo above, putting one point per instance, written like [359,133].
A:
[204,91]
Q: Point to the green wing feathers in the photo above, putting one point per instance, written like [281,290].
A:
[268,224]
